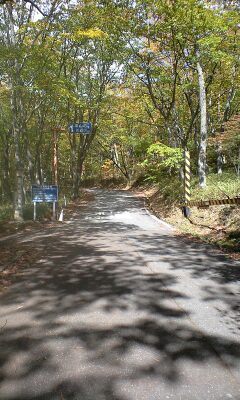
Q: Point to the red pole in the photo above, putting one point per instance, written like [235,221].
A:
[55,155]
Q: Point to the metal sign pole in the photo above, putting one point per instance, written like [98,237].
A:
[54,210]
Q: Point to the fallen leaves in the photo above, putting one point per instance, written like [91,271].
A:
[13,259]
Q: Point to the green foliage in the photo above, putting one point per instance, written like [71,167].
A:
[135,80]
[162,160]
[165,156]
[170,189]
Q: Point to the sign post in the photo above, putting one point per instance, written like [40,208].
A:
[34,211]
[54,210]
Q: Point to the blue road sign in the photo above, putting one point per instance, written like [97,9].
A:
[82,127]
[44,194]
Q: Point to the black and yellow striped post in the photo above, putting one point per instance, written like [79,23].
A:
[187,182]
[187,172]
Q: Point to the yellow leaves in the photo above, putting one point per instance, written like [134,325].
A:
[151,47]
[4,90]
[80,34]
[154,47]
[107,166]
[91,33]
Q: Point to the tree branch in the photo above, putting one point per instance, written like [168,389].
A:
[36,6]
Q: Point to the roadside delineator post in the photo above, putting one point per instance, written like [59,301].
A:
[187,181]
[61,216]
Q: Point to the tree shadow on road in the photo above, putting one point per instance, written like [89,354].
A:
[92,321]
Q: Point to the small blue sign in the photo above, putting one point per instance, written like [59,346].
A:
[44,194]
[82,127]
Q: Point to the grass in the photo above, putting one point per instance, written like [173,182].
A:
[6,212]
[44,211]
[218,186]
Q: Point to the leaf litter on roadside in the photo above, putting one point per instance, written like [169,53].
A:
[13,259]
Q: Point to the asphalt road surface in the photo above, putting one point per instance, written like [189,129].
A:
[119,308]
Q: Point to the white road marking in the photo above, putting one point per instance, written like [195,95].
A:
[159,220]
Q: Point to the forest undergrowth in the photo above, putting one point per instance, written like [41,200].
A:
[218,225]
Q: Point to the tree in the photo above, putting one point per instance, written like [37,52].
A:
[14,18]
[176,49]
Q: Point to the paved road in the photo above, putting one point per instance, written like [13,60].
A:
[118,308]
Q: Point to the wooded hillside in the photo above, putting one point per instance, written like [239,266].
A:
[152,77]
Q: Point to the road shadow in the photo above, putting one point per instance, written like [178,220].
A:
[93,319]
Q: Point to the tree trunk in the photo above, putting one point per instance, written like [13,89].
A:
[75,174]
[17,111]
[231,95]
[220,159]
[19,198]
[6,184]
[202,156]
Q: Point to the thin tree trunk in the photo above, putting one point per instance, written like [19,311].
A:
[238,165]
[6,184]
[202,156]
[75,175]
[230,97]
[220,159]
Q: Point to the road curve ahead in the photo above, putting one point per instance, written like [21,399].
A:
[118,308]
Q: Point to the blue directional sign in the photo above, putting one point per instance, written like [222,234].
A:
[44,194]
[82,127]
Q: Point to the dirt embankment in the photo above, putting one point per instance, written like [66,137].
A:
[218,225]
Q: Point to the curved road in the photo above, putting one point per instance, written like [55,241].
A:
[118,308]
